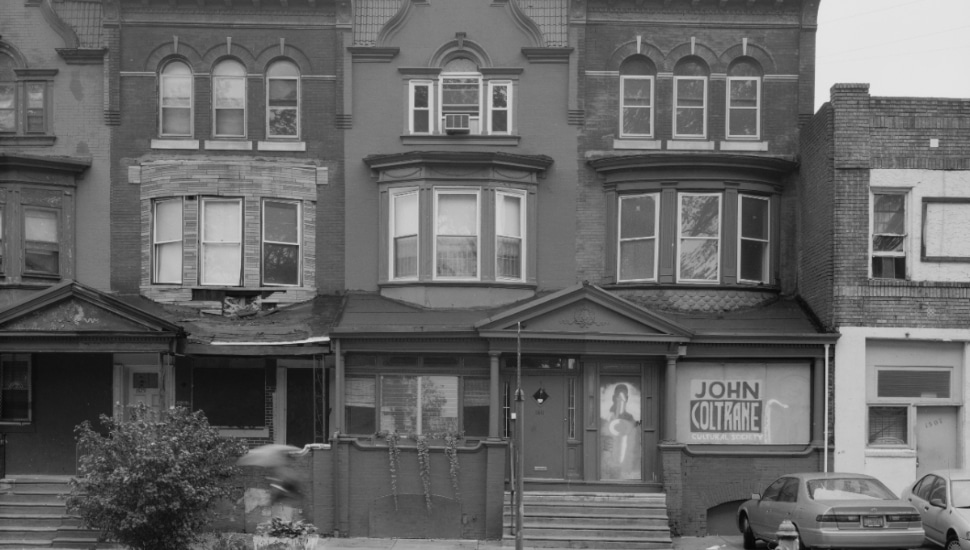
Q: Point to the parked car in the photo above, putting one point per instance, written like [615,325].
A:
[832,510]
[943,499]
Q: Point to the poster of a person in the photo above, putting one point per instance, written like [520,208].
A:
[620,431]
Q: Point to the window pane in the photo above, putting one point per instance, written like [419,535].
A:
[230,92]
[744,122]
[637,216]
[281,221]
[690,122]
[6,95]
[406,256]
[636,260]
[176,121]
[460,94]
[281,264]
[636,121]
[475,406]
[229,122]
[457,256]
[40,225]
[221,264]
[509,257]
[222,221]
[282,122]
[168,220]
[500,121]
[168,263]
[698,259]
[399,404]
[8,108]
[887,243]
[700,215]
[753,259]
[500,97]
[457,214]
[421,97]
[176,91]
[744,93]
[422,122]
[439,404]
[282,92]
[360,403]
[636,92]
[35,95]
[690,92]
[510,216]
[754,218]
[888,426]
[889,267]
[889,214]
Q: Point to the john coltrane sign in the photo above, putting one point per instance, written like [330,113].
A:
[727,409]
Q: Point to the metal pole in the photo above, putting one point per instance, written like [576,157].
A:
[520,434]
[825,454]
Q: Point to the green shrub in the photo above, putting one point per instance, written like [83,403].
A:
[152,478]
[283,529]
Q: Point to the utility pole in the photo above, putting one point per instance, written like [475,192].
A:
[520,435]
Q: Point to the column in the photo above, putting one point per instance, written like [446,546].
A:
[495,397]
[670,400]
[338,394]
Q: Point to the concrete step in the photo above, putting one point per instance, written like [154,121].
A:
[509,541]
[17,496]
[586,522]
[581,510]
[27,533]
[32,508]
[11,521]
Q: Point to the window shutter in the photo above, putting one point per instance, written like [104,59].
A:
[915,383]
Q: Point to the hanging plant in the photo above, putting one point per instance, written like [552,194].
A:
[424,467]
[451,451]
[393,459]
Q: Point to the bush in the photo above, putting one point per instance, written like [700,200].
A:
[286,529]
[150,481]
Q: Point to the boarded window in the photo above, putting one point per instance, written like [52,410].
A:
[916,383]
[946,226]
[233,397]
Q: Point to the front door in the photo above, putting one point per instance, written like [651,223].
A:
[936,439]
[545,426]
[621,417]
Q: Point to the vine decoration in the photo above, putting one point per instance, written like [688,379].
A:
[424,467]
[423,445]
[393,459]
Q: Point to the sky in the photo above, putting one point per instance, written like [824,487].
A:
[899,47]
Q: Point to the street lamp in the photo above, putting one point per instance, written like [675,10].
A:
[520,435]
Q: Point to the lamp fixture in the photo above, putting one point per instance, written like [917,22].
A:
[540,395]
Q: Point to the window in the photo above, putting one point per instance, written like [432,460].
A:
[499,107]
[690,99]
[417,404]
[889,235]
[888,426]
[636,97]
[229,99]
[167,244]
[281,243]
[509,235]
[456,242]
[699,221]
[283,100]
[24,102]
[15,387]
[231,391]
[41,241]
[744,100]
[753,234]
[221,242]
[404,235]
[773,490]
[461,101]
[638,224]
[175,90]
[942,219]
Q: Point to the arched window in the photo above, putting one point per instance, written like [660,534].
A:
[229,99]
[744,99]
[637,77]
[461,87]
[175,91]
[283,100]
[690,98]
[8,95]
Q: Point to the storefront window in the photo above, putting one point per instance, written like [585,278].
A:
[620,416]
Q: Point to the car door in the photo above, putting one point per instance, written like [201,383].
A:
[929,488]
[763,511]
[787,501]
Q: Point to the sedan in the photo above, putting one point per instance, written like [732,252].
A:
[943,499]
[831,510]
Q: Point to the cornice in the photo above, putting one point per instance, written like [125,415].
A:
[535,163]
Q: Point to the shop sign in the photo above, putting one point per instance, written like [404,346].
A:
[724,410]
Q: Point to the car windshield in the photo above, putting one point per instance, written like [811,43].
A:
[961,493]
[848,488]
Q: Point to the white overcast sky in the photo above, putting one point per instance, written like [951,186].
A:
[899,47]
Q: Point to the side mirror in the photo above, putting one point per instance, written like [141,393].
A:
[937,502]
[755,496]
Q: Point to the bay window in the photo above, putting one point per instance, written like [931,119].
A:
[221,242]
[283,100]
[175,99]
[281,243]
[229,99]
[41,241]
[456,239]
[637,242]
[167,241]
[404,234]
[699,223]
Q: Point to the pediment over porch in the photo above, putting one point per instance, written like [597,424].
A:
[70,316]
[584,312]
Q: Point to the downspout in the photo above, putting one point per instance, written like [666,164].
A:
[825,454]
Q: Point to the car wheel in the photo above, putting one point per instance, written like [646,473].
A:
[953,544]
[749,540]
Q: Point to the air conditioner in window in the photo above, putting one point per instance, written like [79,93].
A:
[456,124]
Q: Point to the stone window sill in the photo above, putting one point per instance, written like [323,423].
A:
[176,144]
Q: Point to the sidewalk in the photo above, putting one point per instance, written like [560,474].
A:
[679,543]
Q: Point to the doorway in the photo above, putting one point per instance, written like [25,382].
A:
[936,439]
[544,416]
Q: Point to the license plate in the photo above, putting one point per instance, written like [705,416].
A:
[872,521]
